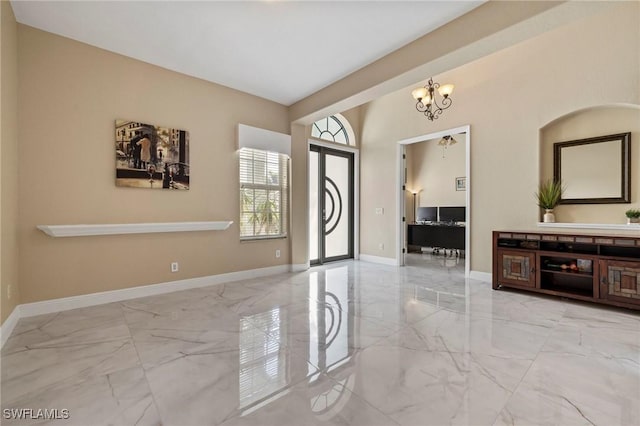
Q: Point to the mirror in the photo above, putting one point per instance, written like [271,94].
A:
[594,170]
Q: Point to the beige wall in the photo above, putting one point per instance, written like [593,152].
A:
[506,98]
[431,173]
[8,162]
[586,124]
[70,94]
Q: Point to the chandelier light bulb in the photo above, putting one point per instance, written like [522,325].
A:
[446,90]
[419,93]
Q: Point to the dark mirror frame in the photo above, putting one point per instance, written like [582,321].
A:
[625,161]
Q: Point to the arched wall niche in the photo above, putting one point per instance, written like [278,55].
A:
[586,123]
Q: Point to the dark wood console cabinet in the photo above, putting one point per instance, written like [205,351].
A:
[595,268]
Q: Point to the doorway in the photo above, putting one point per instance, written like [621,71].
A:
[331,204]
[407,197]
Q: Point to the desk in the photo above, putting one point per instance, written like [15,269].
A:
[437,235]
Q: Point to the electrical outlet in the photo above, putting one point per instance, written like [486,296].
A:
[379,210]
[9,291]
[175,267]
[277,253]
[381,246]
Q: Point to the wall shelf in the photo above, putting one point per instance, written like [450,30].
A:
[569,225]
[131,228]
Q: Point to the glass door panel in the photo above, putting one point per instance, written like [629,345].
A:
[336,206]
[330,204]
[314,206]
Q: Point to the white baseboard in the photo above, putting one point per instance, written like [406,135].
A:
[378,259]
[82,301]
[481,276]
[300,267]
[8,325]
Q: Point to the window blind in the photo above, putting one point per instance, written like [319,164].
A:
[264,193]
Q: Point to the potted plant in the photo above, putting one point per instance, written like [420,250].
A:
[548,196]
[633,216]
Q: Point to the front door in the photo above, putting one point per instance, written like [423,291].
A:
[330,204]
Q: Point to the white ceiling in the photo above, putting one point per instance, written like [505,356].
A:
[279,50]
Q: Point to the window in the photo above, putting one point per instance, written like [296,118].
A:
[264,187]
[330,129]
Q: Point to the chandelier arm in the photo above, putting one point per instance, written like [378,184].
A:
[429,114]
[446,103]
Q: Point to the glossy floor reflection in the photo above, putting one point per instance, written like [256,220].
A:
[351,343]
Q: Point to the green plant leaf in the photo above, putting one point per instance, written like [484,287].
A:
[632,213]
[549,194]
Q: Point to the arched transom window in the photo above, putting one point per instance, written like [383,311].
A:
[332,129]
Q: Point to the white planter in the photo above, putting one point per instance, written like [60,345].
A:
[548,217]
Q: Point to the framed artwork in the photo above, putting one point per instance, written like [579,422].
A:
[461,184]
[150,156]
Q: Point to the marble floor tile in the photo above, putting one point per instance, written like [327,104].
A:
[85,325]
[118,398]
[455,332]
[318,400]
[162,335]
[347,343]
[573,389]
[69,362]
[27,371]
[207,387]
[585,340]
[323,332]
[416,387]
[481,301]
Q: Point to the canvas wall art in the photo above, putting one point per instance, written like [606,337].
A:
[150,156]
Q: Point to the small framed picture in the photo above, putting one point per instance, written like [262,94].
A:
[461,184]
[584,265]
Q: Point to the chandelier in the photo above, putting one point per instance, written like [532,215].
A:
[445,142]
[426,98]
